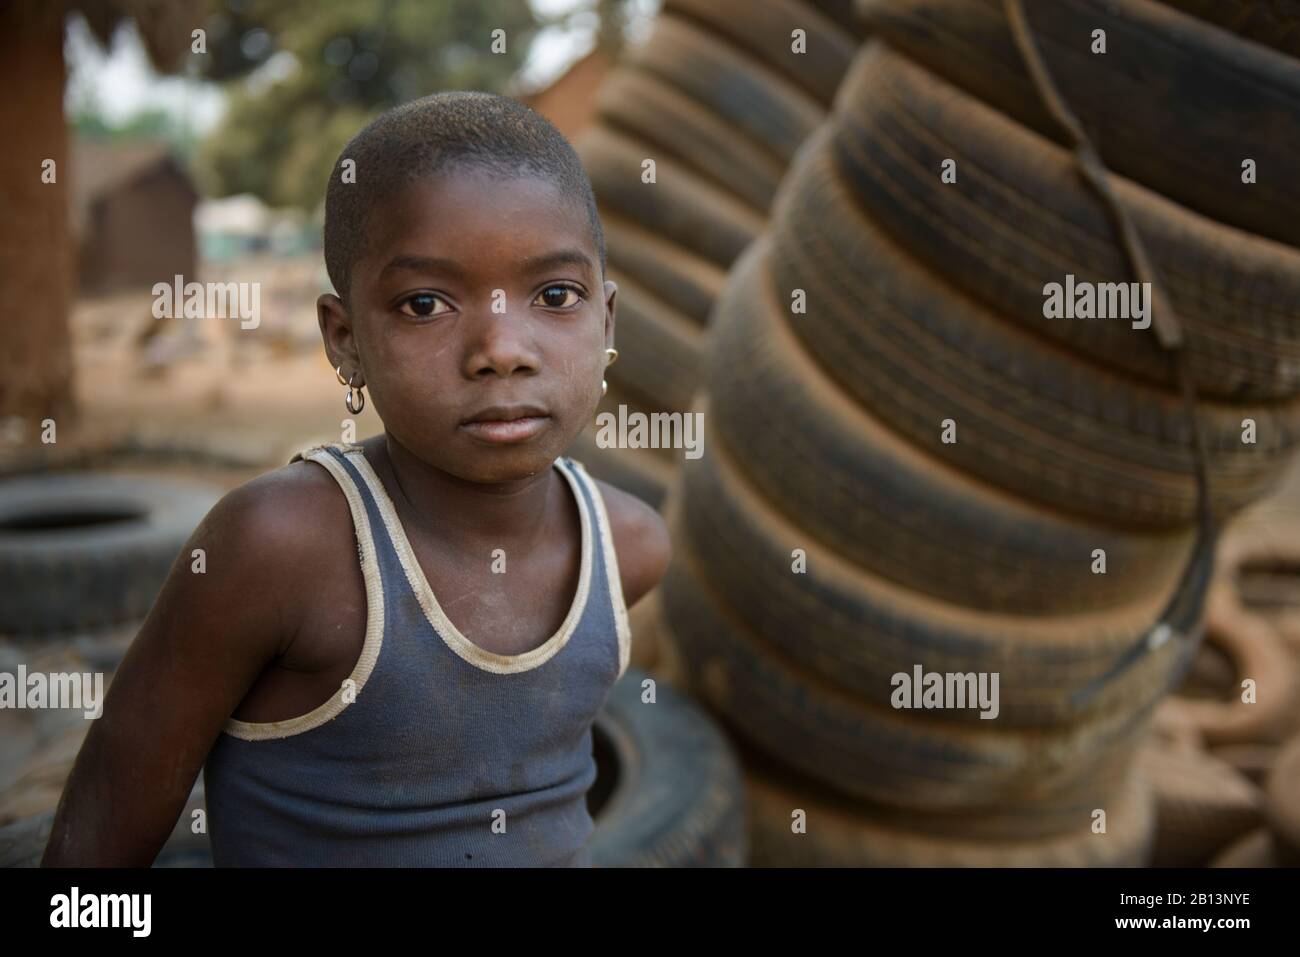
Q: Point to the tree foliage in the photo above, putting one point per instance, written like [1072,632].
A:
[305,75]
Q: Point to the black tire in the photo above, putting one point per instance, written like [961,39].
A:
[683,280]
[89,550]
[1019,217]
[1174,103]
[661,352]
[912,517]
[677,798]
[1274,23]
[861,748]
[1256,651]
[763,30]
[772,112]
[841,835]
[855,631]
[679,205]
[645,106]
[1032,416]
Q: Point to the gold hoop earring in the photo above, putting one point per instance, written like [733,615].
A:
[355,399]
[339,374]
[611,356]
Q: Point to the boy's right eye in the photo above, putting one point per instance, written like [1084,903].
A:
[422,305]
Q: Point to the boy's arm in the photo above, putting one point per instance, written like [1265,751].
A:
[206,639]
[641,542]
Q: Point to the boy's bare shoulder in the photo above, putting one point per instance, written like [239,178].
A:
[288,514]
[641,541]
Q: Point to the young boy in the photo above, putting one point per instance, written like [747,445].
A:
[431,703]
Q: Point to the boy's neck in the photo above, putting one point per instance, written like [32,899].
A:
[465,513]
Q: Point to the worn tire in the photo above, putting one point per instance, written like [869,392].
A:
[905,514]
[677,799]
[679,205]
[662,351]
[855,630]
[763,30]
[860,746]
[683,280]
[647,107]
[89,550]
[840,834]
[1031,416]
[1274,23]
[1257,652]
[1175,103]
[772,112]
[1020,216]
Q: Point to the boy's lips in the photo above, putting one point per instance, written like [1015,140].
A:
[505,424]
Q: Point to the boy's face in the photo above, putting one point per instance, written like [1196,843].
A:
[478,319]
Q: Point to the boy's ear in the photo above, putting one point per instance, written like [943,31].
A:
[611,290]
[336,331]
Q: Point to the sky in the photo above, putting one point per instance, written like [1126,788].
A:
[122,82]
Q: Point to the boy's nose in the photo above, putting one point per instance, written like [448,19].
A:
[502,346]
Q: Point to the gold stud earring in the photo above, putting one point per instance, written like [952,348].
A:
[611,356]
[355,399]
[604,387]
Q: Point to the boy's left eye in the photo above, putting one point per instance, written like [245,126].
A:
[556,297]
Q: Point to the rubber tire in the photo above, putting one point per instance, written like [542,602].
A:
[678,800]
[90,576]
[683,280]
[912,517]
[1202,805]
[1274,23]
[680,205]
[855,630]
[661,351]
[1032,416]
[772,113]
[868,750]
[1020,216]
[643,105]
[1257,652]
[842,835]
[1175,103]
[763,30]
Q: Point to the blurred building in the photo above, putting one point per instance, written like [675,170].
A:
[132,215]
[570,100]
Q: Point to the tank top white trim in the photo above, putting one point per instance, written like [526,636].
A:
[451,635]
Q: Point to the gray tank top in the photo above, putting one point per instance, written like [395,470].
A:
[434,752]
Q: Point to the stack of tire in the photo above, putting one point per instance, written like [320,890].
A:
[720,98]
[909,466]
